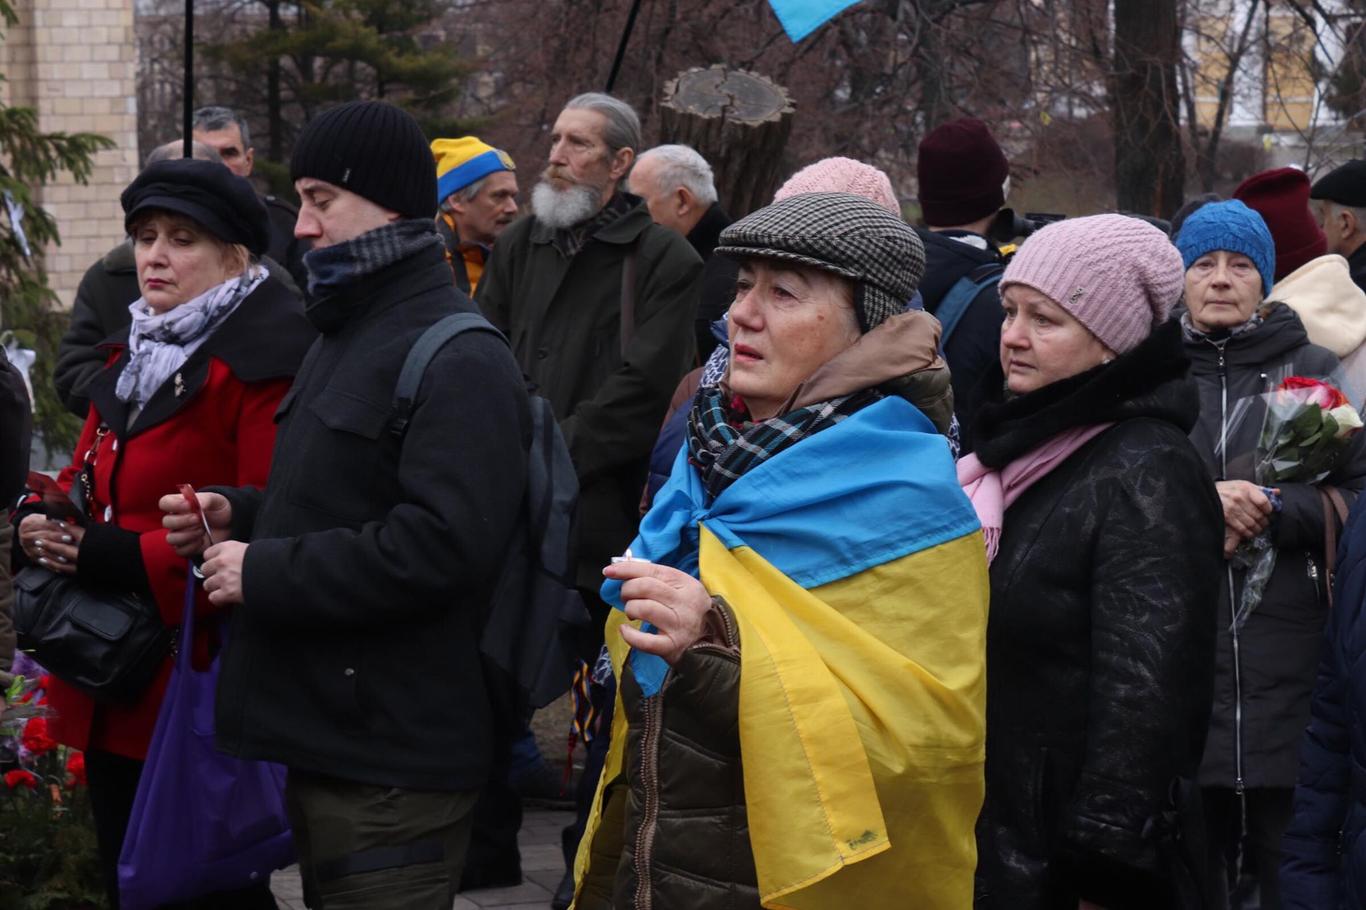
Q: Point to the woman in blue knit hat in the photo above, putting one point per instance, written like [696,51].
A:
[1241,346]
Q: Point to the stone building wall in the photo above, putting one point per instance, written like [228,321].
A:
[74,62]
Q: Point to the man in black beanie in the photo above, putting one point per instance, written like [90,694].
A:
[357,578]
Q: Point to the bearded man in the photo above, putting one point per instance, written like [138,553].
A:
[598,302]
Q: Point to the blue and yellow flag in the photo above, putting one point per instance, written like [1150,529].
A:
[800,18]
[856,571]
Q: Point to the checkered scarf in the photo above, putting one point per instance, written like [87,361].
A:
[345,263]
[723,443]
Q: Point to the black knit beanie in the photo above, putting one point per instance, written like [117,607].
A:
[373,149]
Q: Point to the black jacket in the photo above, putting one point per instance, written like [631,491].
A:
[718,276]
[1099,644]
[285,248]
[99,310]
[355,652]
[1357,263]
[16,427]
[1262,705]
[973,351]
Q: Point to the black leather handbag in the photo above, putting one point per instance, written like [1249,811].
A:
[108,643]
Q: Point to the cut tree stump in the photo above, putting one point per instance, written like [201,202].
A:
[739,121]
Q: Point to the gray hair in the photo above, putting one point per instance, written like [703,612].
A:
[681,165]
[623,126]
[215,117]
[465,194]
[176,149]
[1358,212]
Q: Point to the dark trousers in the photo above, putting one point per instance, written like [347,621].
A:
[113,782]
[1262,813]
[365,847]
[493,858]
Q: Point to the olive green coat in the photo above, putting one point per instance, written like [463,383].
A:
[563,318]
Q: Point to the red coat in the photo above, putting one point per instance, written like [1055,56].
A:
[210,424]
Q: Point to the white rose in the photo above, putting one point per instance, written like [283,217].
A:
[1348,420]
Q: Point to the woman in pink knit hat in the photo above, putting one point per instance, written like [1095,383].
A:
[842,175]
[1104,535]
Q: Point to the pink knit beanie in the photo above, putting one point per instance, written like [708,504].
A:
[842,175]
[1119,276]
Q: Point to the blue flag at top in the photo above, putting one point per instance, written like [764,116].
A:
[800,18]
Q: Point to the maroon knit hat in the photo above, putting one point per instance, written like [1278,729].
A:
[1281,197]
[962,173]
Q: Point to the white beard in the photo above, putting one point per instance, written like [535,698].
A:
[560,209]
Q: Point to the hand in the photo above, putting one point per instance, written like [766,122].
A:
[51,544]
[1247,511]
[673,601]
[223,571]
[187,532]
[1231,541]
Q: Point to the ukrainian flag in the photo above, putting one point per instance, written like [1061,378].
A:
[856,570]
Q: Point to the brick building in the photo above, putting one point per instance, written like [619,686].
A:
[74,62]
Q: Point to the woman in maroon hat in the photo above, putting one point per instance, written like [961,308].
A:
[188,396]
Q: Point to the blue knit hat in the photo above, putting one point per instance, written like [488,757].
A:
[1233,227]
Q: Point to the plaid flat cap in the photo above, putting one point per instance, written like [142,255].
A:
[840,233]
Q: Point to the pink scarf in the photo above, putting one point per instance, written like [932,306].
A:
[992,492]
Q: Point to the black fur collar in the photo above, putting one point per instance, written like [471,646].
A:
[1149,381]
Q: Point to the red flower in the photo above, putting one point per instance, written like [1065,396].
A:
[75,768]
[1320,393]
[35,737]
[20,776]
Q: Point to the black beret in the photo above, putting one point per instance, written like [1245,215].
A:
[207,193]
[1345,185]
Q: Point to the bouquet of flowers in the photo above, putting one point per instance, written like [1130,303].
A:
[1305,432]
[48,857]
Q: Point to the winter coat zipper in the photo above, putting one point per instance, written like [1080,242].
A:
[1228,574]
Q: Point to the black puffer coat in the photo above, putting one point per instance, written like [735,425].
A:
[1262,705]
[1099,644]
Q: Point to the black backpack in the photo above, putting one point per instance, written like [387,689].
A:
[535,613]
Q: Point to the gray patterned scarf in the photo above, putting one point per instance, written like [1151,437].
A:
[160,343]
[345,263]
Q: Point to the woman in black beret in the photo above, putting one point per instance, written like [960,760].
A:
[187,396]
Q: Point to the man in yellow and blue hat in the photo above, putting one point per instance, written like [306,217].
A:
[476,191]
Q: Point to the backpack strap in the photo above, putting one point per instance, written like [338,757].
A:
[420,356]
[1334,516]
[964,291]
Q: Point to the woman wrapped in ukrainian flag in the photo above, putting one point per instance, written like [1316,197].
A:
[800,644]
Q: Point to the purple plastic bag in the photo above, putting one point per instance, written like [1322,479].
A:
[202,820]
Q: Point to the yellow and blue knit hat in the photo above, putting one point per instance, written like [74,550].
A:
[460,162]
